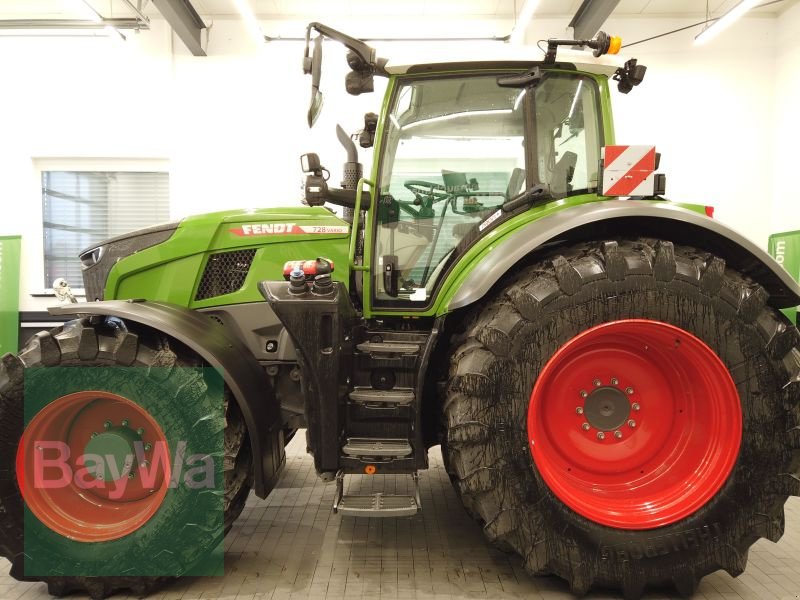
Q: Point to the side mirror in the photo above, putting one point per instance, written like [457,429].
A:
[314,67]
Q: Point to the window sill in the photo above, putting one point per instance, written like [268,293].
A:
[79,293]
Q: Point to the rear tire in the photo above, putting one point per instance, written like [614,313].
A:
[514,335]
[176,380]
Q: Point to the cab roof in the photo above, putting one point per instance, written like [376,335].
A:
[506,56]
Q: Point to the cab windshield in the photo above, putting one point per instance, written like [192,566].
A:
[456,149]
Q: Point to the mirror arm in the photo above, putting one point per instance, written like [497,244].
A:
[365,52]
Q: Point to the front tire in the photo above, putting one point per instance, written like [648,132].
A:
[565,318]
[160,386]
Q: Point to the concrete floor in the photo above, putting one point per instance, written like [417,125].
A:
[292,546]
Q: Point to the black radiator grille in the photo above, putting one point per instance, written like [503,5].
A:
[225,273]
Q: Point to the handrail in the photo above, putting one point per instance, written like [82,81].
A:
[354,225]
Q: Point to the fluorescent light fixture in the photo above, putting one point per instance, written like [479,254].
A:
[250,20]
[724,21]
[86,10]
[524,19]
[458,115]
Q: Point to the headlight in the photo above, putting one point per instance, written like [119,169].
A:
[98,260]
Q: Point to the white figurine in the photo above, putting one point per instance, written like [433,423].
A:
[63,291]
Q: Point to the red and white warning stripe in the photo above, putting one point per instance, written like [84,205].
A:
[629,170]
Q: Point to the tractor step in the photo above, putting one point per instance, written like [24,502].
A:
[373,398]
[389,347]
[377,448]
[376,505]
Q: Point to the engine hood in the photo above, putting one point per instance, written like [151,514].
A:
[253,242]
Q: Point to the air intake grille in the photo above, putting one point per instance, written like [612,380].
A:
[225,273]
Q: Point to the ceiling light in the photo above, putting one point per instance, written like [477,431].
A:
[524,19]
[250,20]
[724,21]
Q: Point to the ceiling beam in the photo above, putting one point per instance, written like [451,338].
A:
[590,16]
[185,22]
[71,24]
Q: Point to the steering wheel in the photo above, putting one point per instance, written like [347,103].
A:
[425,190]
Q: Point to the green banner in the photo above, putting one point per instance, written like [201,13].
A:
[9,293]
[785,249]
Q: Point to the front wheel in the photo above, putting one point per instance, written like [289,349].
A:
[130,460]
[619,415]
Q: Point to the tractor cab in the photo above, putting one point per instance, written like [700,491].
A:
[539,124]
[437,196]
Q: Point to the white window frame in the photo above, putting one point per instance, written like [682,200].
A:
[36,249]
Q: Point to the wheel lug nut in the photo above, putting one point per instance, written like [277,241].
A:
[586,426]
[584,393]
[145,463]
[131,475]
[124,422]
[635,406]
[579,410]
[148,446]
[597,383]
[140,431]
[601,435]
[618,434]
[107,424]
[629,391]
[614,381]
[94,434]
[631,423]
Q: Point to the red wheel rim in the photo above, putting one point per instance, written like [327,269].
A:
[635,424]
[82,499]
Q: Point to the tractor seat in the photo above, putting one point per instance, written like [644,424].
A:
[514,188]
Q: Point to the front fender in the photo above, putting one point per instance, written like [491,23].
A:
[596,220]
[242,373]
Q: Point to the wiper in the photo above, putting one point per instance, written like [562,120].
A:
[530,196]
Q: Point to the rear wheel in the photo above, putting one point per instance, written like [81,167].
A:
[162,397]
[619,415]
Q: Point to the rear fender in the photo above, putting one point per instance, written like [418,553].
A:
[242,373]
[627,218]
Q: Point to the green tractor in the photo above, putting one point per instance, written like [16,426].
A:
[608,373]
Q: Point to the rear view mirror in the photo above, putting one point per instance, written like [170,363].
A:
[316,107]
[314,67]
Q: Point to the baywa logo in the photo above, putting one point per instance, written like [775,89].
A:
[113,476]
[121,471]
